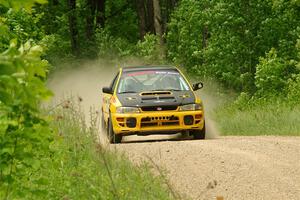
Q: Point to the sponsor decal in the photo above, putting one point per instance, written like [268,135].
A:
[150,72]
[139,73]
[166,72]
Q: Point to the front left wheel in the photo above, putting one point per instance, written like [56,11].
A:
[199,134]
[113,138]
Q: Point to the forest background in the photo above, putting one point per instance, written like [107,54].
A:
[250,48]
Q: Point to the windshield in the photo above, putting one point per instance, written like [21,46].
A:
[151,80]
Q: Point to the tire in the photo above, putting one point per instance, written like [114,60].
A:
[199,134]
[113,138]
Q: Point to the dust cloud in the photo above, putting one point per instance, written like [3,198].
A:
[211,101]
[85,81]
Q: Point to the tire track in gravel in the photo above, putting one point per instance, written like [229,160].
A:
[264,167]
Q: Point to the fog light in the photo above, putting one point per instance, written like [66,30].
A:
[198,116]
[131,122]
[188,120]
[120,119]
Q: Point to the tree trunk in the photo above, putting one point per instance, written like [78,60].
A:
[73,27]
[90,19]
[142,20]
[204,37]
[173,3]
[54,2]
[157,21]
[150,17]
[100,13]
[170,5]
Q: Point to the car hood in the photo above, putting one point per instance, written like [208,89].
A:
[156,98]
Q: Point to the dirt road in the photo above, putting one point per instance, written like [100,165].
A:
[265,167]
[233,167]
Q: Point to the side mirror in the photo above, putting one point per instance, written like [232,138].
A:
[197,86]
[107,90]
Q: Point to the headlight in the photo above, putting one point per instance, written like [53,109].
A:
[127,110]
[195,106]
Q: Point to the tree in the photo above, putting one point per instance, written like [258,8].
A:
[158,21]
[100,13]
[142,20]
[95,17]
[73,27]
[150,16]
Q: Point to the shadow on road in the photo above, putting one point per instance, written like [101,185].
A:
[158,138]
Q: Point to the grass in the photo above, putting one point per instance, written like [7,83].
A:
[259,119]
[79,168]
[241,115]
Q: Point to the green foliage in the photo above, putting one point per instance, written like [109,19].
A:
[225,40]
[110,46]
[259,118]
[271,75]
[17,5]
[184,38]
[114,37]
[25,26]
[24,132]
[293,89]
[122,20]
[19,24]
[273,109]
[242,101]
[56,49]
[149,49]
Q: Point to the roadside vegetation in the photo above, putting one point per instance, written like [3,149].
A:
[81,168]
[259,118]
[251,49]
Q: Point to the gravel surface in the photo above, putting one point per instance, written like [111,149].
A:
[264,167]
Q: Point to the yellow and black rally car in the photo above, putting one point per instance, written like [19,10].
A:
[151,100]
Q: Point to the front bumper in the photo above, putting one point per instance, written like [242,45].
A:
[157,122]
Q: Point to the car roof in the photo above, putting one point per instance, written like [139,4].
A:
[148,67]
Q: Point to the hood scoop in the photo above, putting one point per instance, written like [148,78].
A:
[155,93]
[157,98]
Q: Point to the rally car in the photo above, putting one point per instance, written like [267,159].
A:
[146,100]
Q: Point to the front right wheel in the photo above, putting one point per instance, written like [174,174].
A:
[199,134]
[113,138]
